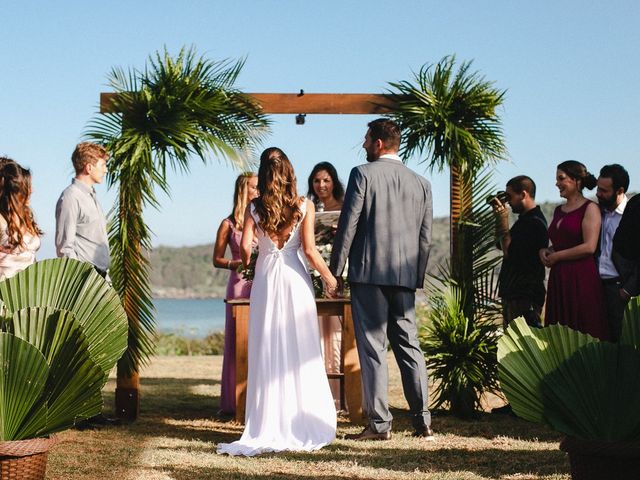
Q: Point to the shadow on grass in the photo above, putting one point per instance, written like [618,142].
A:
[488,463]
[178,398]
[184,409]
[487,425]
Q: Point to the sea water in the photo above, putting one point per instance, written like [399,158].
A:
[194,318]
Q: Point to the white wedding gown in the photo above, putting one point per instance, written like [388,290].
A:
[289,403]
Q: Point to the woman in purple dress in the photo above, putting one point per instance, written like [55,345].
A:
[229,234]
[574,291]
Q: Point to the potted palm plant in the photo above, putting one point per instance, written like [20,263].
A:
[62,330]
[583,387]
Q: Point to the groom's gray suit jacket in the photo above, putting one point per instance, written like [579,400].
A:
[385,226]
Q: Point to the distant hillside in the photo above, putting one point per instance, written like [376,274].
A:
[188,272]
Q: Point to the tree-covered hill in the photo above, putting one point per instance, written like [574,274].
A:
[188,272]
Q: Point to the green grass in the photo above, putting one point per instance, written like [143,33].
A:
[177,432]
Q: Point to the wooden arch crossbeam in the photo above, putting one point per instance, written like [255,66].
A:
[316,103]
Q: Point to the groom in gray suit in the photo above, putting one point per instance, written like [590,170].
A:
[385,232]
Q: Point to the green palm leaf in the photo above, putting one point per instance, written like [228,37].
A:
[176,109]
[74,286]
[74,383]
[460,353]
[595,393]
[631,324]
[451,116]
[526,356]
[22,381]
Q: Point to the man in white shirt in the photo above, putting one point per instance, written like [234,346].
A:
[613,183]
[81,227]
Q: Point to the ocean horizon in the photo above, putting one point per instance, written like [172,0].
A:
[190,317]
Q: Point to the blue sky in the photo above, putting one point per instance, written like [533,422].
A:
[571,70]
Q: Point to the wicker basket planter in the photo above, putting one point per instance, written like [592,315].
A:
[596,460]
[24,459]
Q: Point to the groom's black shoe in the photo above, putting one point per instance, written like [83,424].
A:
[425,433]
[368,434]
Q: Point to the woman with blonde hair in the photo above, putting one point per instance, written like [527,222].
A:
[289,404]
[19,233]
[229,235]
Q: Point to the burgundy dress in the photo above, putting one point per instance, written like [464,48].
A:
[574,291]
[237,287]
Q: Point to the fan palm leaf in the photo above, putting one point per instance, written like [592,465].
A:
[22,381]
[526,356]
[595,393]
[631,324]
[74,383]
[68,284]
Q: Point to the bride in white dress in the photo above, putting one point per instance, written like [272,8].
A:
[289,403]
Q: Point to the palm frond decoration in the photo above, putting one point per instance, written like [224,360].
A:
[68,284]
[62,331]
[450,118]
[22,380]
[631,324]
[526,356]
[73,388]
[173,110]
[580,386]
[594,394]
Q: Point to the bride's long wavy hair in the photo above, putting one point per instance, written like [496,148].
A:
[278,202]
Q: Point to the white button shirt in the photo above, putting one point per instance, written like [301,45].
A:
[610,222]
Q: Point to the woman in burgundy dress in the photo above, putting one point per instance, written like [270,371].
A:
[574,291]
[229,234]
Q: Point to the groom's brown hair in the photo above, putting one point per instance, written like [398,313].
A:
[387,131]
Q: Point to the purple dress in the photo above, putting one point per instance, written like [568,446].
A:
[574,292]
[237,287]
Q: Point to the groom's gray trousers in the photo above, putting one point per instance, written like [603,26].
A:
[384,315]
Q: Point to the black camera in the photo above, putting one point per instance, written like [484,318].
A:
[499,197]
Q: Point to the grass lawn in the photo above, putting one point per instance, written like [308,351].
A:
[176,435]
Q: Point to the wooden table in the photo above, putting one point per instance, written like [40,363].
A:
[349,354]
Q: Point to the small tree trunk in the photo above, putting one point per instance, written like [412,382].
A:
[127,395]
[461,247]
[128,267]
[454,220]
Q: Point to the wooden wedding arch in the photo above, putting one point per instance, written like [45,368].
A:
[127,393]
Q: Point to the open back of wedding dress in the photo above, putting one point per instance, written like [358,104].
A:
[289,403]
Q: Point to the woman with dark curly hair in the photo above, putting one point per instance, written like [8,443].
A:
[289,404]
[325,188]
[19,233]
[574,291]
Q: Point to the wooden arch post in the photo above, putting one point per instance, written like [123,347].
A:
[128,387]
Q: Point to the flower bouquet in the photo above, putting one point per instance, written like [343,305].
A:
[248,272]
